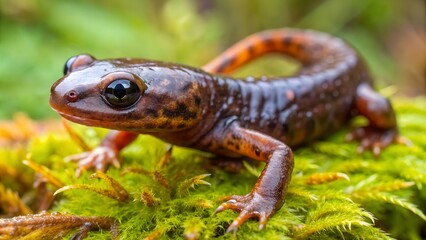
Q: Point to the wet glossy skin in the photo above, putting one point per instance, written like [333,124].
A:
[257,118]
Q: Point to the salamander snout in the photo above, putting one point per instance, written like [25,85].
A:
[64,93]
[59,97]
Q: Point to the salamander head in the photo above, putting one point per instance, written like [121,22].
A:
[128,94]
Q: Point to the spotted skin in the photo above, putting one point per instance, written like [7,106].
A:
[234,117]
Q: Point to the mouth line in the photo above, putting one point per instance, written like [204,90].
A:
[90,122]
[80,120]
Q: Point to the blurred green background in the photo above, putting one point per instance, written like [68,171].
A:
[38,36]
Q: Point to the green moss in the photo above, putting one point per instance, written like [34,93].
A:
[174,202]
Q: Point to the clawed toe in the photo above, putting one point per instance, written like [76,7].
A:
[404,141]
[232,204]
[233,227]
[76,157]
[248,207]
[375,139]
[243,217]
[99,158]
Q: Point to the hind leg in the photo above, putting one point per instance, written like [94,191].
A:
[382,128]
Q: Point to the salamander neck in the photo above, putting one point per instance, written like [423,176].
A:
[190,136]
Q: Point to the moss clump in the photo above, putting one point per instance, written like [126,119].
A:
[334,192]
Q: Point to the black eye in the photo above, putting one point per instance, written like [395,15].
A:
[79,61]
[122,93]
[68,64]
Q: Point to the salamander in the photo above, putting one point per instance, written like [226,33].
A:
[207,109]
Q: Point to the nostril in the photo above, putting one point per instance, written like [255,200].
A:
[72,96]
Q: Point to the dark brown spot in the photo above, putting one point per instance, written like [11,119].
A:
[170,113]
[287,40]
[197,101]
[209,144]
[151,112]
[180,111]
[235,136]
[226,63]
[237,147]
[186,87]
[285,128]
[250,50]
[181,125]
[257,151]
[271,125]
[268,41]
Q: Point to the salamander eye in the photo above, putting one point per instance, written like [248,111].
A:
[122,93]
[76,62]
[68,64]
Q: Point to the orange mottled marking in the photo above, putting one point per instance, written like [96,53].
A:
[256,45]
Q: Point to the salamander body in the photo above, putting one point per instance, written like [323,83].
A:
[260,118]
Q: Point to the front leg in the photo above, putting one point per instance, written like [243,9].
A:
[105,154]
[267,195]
